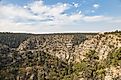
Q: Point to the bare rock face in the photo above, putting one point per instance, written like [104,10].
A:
[62,46]
[105,47]
[102,44]
[113,73]
[51,40]
[73,47]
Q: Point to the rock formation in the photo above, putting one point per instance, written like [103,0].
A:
[63,57]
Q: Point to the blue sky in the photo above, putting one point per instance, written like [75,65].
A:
[41,16]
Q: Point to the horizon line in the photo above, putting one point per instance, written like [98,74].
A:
[56,32]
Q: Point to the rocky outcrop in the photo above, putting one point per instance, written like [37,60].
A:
[102,44]
[63,57]
[62,46]
[104,49]
[113,73]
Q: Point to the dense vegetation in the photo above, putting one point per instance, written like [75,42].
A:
[38,64]
[13,40]
[114,58]
[46,67]
[43,66]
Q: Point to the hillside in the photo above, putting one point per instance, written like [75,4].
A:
[69,56]
[13,40]
[60,45]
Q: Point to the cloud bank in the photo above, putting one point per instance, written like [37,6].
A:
[38,17]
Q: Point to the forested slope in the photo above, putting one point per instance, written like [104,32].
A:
[13,40]
[70,56]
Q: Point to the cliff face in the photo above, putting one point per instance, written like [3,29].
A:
[63,57]
[105,50]
[62,46]
[102,44]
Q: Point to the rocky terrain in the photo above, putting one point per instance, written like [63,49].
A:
[59,45]
[102,44]
[69,56]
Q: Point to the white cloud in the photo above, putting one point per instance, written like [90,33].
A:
[92,11]
[96,18]
[96,6]
[15,12]
[38,17]
[75,4]
[117,21]
[80,12]
[35,16]
[9,25]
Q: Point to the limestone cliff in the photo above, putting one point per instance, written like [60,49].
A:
[103,44]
